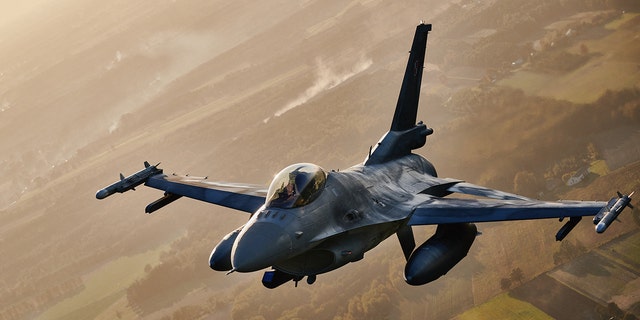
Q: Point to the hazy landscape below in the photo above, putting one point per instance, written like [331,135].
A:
[522,96]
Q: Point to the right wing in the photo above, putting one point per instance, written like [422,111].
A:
[243,197]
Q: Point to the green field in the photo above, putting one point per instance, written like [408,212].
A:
[599,167]
[504,307]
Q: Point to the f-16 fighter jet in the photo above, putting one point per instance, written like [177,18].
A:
[310,221]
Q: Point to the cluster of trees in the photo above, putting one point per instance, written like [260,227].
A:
[516,276]
[527,183]
[45,298]
[364,296]
[180,270]
[558,61]
[568,251]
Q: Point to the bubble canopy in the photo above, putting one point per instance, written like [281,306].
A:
[296,186]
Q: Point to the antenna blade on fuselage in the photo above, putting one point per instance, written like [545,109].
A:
[407,107]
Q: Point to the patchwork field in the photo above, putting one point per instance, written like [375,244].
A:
[584,288]
[613,64]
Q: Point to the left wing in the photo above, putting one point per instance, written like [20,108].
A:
[444,210]
[431,208]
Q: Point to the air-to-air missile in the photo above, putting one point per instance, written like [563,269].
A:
[130,182]
[611,211]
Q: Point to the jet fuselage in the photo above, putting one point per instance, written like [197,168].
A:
[356,209]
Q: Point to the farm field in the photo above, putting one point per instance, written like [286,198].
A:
[591,282]
[613,64]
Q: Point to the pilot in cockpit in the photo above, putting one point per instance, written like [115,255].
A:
[288,193]
[296,186]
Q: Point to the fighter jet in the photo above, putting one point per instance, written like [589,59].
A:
[310,221]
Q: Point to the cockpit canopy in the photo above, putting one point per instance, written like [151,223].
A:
[296,185]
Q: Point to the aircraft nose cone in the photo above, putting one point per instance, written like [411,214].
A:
[260,246]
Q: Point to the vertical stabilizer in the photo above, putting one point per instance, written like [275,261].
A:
[405,134]
[407,107]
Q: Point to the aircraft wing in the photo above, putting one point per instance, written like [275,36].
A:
[243,197]
[450,210]
[429,206]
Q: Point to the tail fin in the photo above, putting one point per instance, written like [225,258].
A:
[405,135]
[407,106]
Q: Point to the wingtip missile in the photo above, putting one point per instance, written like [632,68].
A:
[105,192]
[130,182]
[611,212]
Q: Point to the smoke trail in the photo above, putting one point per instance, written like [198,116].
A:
[326,79]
